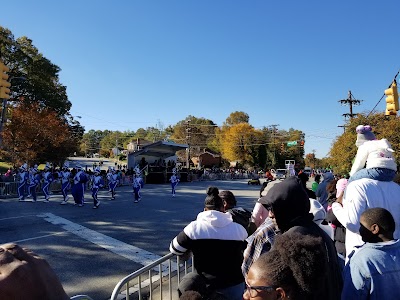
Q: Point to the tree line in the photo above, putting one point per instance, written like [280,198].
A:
[236,140]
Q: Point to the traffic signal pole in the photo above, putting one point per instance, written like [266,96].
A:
[4,94]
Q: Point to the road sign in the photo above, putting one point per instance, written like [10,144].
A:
[292,143]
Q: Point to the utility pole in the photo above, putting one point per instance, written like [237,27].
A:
[313,152]
[349,101]
[188,137]
[273,127]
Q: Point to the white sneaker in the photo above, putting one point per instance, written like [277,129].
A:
[21,199]
[63,202]
[97,205]
[173,195]
[46,200]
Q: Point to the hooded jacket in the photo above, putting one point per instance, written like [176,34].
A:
[290,205]
[322,194]
[217,244]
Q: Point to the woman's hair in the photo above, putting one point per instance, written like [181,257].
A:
[213,201]
[297,263]
[317,178]
[228,197]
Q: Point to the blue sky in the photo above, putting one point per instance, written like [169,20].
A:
[131,64]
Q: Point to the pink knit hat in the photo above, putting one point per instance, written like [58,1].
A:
[364,133]
[340,186]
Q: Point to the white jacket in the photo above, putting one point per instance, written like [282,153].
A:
[359,196]
[376,154]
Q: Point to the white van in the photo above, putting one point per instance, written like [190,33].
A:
[280,174]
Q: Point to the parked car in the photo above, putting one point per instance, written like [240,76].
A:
[280,174]
[254,182]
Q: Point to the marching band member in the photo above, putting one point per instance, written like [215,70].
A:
[109,174]
[113,182]
[136,184]
[34,182]
[31,177]
[97,183]
[78,187]
[174,181]
[65,176]
[23,178]
[48,179]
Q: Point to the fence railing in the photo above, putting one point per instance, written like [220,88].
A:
[224,176]
[152,280]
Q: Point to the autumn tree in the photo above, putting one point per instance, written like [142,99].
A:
[197,132]
[240,143]
[41,77]
[35,84]
[236,117]
[35,135]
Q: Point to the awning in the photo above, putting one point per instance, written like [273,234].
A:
[161,149]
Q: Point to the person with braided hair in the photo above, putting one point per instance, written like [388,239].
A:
[295,268]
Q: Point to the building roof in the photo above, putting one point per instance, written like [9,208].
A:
[162,149]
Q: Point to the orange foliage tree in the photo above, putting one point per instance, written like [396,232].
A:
[35,135]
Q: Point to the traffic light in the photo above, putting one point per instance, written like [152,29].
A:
[4,84]
[392,99]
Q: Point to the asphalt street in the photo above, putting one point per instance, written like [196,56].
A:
[91,250]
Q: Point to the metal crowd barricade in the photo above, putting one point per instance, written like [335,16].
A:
[151,280]
[8,189]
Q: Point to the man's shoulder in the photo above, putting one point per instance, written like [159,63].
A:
[367,183]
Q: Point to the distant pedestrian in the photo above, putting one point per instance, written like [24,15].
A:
[174,182]
[314,186]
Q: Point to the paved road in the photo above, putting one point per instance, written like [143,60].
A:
[91,250]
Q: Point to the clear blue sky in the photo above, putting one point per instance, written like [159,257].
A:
[131,64]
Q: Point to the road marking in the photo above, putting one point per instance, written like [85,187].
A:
[37,237]
[130,252]
[27,216]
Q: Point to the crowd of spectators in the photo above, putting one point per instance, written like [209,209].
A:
[340,241]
